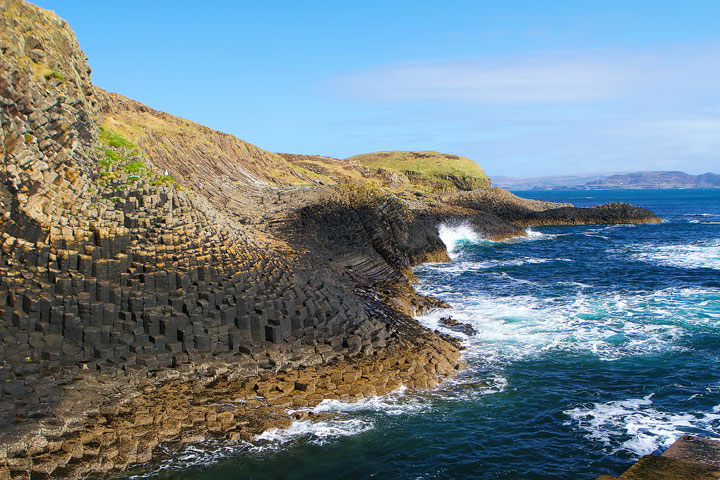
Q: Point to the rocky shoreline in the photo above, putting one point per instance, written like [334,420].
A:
[151,267]
[214,402]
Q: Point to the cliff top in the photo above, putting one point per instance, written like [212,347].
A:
[429,165]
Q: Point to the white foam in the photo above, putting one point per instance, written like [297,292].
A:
[193,455]
[596,235]
[699,255]
[210,452]
[609,325]
[395,403]
[471,384]
[454,235]
[533,235]
[460,267]
[317,433]
[635,426]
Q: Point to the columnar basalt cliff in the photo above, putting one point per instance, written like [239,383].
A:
[148,264]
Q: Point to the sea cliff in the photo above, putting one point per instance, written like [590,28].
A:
[150,267]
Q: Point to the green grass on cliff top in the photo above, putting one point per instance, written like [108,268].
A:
[424,163]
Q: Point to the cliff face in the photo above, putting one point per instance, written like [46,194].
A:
[47,121]
[138,248]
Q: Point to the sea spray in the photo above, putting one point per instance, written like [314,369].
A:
[453,235]
[314,432]
[634,425]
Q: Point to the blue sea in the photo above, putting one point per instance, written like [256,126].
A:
[595,345]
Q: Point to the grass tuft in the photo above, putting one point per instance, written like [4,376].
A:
[134,167]
[55,74]
[112,138]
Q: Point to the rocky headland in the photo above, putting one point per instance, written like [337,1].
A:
[162,283]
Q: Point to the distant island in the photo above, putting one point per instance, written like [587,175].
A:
[610,181]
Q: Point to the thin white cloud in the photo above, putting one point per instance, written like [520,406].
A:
[544,79]
[552,113]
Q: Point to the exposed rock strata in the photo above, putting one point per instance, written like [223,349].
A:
[122,286]
[214,402]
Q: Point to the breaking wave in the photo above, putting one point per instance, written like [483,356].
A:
[699,255]
[634,425]
[608,325]
[453,236]
[317,433]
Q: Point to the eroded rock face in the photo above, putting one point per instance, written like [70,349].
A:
[47,108]
[126,292]
[115,278]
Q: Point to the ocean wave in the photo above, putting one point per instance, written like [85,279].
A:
[470,385]
[395,403]
[193,455]
[214,451]
[634,425]
[317,433]
[522,281]
[700,215]
[453,236]
[596,235]
[460,266]
[698,255]
[610,326]
[533,235]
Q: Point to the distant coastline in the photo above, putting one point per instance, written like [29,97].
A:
[645,180]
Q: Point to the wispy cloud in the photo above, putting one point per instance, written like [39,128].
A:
[551,113]
[541,79]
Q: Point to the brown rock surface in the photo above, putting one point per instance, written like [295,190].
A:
[689,458]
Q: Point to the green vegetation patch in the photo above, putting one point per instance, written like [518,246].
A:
[112,138]
[114,157]
[440,170]
[134,167]
[54,74]
[162,179]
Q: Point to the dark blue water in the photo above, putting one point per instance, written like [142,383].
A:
[595,345]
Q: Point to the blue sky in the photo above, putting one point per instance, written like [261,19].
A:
[522,87]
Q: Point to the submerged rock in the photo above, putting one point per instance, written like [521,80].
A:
[457,326]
